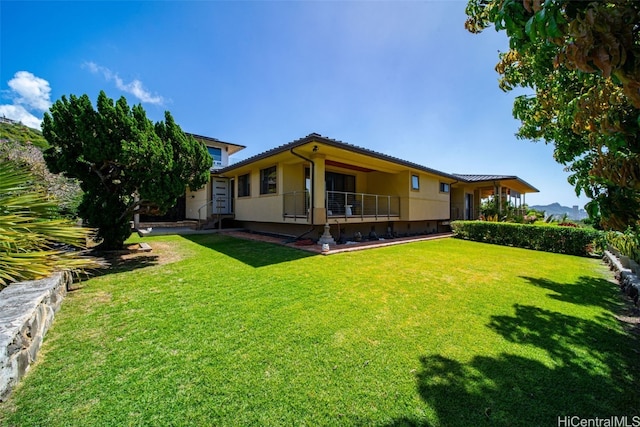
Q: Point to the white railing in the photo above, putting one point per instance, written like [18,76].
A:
[295,204]
[215,207]
[349,205]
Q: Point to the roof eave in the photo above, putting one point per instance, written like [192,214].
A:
[230,146]
[494,178]
[316,138]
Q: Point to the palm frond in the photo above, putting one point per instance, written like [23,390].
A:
[32,240]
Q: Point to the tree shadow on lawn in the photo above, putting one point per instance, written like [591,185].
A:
[251,252]
[124,260]
[592,372]
[588,291]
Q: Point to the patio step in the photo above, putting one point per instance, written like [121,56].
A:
[213,221]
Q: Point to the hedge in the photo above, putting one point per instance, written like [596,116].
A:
[562,240]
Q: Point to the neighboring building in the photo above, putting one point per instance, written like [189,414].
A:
[299,187]
[467,193]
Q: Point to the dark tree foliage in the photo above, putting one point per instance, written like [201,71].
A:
[581,59]
[125,163]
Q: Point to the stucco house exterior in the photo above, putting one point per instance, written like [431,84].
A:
[198,204]
[297,188]
[216,196]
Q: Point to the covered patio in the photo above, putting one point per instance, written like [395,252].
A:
[470,190]
[343,205]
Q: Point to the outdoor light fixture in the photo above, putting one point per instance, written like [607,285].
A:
[315,148]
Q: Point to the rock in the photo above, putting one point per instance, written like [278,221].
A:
[26,313]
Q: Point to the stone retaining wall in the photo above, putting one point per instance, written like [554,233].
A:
[628,280]
[26,313]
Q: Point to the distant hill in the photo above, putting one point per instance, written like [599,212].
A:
[16,132]
[558,210]
[25,145]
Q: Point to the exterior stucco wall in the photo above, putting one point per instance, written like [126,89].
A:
[225,157]
[265,207]
[385,184]
[195,199]
[292,178]
[426,203]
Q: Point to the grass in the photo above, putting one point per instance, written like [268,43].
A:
[437,333]
[22,134]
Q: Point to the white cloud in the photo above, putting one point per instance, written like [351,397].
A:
[33,91]
[28,93]
[134,87]
[19,113]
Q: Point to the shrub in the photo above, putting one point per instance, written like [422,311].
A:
[628,243]
[568,224]
[563,240]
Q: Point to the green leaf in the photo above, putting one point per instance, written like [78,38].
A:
[529,27]
[552,28]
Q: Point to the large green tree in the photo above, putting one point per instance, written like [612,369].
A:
[581,61]
[125,163]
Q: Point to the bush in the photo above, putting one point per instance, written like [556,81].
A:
[628,243]
[562,240]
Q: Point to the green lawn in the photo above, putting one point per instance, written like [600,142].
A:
[232,332]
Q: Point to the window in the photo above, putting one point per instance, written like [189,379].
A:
[340,182]
[216,155]
[415,182]
[244,186]
[444,187]
[268,180]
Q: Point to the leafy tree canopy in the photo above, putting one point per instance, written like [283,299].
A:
[581,59]
[125,163]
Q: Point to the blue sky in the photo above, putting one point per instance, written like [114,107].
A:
[400,77]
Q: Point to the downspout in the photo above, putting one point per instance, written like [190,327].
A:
[311,190]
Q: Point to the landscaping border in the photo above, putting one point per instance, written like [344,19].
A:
[27,310]
[627,279]
[561,240]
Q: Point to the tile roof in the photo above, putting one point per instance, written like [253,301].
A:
[314,137]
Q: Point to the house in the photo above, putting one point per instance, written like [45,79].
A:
[297,188]
[198,204]
[217,195]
